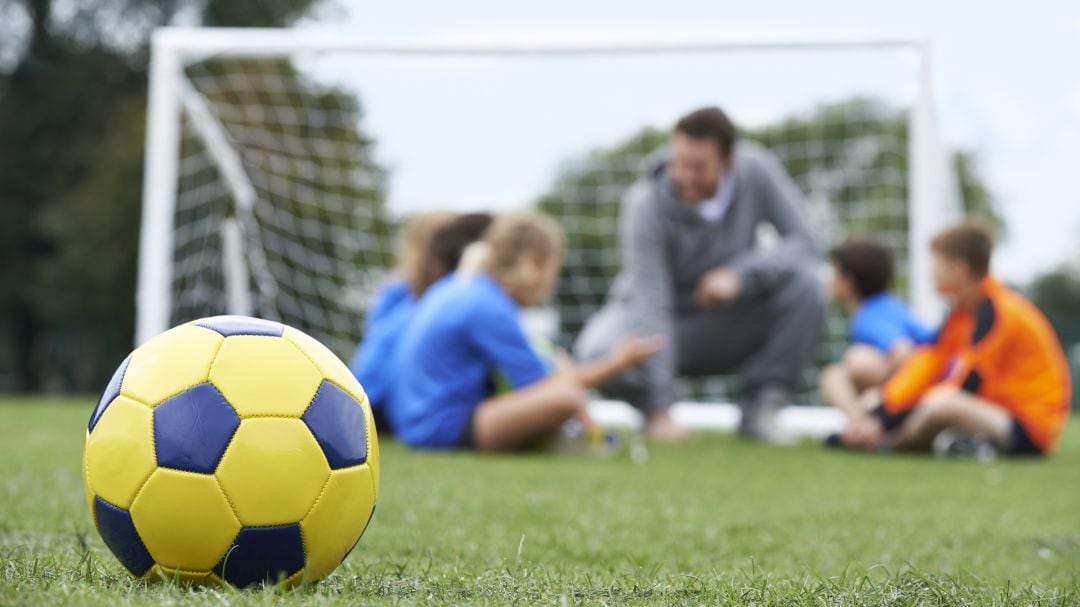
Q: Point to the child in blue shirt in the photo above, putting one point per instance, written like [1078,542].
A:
[467,330]
[883,329]
[386,316]
[434,243]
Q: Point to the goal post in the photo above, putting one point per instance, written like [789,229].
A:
[179,111]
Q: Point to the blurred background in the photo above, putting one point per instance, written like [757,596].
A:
[337,149]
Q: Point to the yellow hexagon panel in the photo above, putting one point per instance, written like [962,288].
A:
[331,367]
[272,471]
[264,375]
[120,452]
[184,520]
[170,363]
[337,520]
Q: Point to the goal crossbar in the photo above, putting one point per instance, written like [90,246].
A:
[261,42]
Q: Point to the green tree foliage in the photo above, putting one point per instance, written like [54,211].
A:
[851,155]
[978,199]
[1057,293]
[72,99]
[58,108]
[254,13]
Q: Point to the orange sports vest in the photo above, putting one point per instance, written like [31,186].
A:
[1006,353]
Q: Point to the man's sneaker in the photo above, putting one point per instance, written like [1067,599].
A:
[759,411]
[952,442]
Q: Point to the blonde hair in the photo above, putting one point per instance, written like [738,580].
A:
[412,257]
[514,247]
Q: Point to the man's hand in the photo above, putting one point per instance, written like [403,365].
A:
[863,432]
[721,285]
[633,350]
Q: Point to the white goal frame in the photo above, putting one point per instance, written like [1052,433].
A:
[933,191]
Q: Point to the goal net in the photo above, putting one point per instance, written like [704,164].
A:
[281,163]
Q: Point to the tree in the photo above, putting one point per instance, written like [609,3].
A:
[72,99]
[59,100]
[1057,293]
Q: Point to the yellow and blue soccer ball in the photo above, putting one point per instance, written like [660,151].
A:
[232,450]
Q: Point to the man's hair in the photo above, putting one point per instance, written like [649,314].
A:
[971,242]
[709,123]
[447,245]
[867,262]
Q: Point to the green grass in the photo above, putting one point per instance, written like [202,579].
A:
[714,521]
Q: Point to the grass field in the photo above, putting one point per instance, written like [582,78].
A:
[717,521]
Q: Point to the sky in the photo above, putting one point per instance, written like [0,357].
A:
[1006,75]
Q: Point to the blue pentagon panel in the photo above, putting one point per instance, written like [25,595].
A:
[337,421]
[193,428]
[262,555]
[118,531]
[241,325]
[111,391]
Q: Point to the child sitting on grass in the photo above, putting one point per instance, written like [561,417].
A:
[883,329]
[433,245]
[467,329]
[995,378]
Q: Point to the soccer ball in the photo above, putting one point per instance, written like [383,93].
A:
[232,450]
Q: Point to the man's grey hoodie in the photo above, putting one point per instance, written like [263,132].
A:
[666,247]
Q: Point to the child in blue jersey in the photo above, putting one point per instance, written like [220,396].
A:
[883,329]
[467,330]
[433,245]
[386,316]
